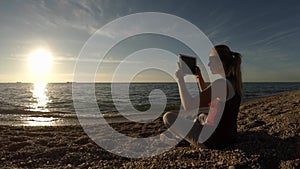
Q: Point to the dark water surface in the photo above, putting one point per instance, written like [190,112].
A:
[53,102]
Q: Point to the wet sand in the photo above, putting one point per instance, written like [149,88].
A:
[267,138]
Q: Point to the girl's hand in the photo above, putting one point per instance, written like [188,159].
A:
[179,74]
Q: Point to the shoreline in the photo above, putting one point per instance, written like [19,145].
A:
[267,138]
[269,95]
[56,118]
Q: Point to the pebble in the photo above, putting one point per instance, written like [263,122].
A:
[82,165]
[220,162]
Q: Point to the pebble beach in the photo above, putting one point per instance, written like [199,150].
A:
[267,138]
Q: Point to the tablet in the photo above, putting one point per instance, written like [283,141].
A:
[190,64]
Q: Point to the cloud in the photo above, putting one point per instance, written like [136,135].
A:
[260,74]
[84,16]
[93,60]
[276,37]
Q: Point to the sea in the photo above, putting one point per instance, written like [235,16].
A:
[51,104]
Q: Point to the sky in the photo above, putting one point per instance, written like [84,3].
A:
[266,33]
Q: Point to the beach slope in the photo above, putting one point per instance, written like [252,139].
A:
[267,138]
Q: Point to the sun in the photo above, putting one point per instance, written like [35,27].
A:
[40,61]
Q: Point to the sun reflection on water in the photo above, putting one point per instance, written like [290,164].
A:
[41,121]
[39,94]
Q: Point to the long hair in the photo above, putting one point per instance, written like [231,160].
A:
[232,66]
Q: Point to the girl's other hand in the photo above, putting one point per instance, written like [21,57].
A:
[198,72]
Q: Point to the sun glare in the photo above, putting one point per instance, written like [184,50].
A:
[40,61]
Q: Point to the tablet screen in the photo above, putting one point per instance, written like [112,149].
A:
[190,64]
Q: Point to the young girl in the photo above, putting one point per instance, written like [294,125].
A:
[224,126]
